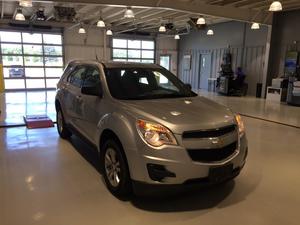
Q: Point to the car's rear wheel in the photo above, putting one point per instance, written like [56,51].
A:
[115,169]
[62,129]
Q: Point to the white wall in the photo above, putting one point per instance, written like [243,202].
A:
[168,46]
[86,46]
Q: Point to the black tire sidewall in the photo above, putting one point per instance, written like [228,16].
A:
[124,186]
[65,133]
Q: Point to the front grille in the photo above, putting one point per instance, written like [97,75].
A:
[209,133]
[212,154]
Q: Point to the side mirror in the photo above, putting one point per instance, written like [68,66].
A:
[188,86]
[92,90]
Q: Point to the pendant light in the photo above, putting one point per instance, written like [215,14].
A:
[210,32]
[109,32]
[201,21]
[19,15]
[129,14]
[162,28]
[255,26]
[25,3]
[100,23]
[177,37]
[275,6]
[81,30]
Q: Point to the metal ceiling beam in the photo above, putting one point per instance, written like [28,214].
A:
[227,12]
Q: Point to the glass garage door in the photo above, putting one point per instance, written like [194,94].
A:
[31,61]
[133,50]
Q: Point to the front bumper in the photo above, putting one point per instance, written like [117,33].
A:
[180,167]
[142,188]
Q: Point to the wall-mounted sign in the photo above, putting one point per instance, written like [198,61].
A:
[291,61]
[187,62]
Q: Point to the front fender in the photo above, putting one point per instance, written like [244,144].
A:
[124,127]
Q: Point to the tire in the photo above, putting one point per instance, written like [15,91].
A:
[115,169]
[62,129]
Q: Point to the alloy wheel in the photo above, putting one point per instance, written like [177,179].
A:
[112,167]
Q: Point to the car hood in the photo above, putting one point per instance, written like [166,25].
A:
[182,114]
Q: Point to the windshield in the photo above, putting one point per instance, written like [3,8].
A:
[145,83]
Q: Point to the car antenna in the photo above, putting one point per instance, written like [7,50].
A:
[97,56]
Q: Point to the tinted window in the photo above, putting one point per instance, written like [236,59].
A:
[77,76]
[145,83]
[92,77]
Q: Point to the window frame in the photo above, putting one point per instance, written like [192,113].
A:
[141,49]
[43,55]
[170,58]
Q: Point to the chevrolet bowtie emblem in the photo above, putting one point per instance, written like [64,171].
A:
[217,141]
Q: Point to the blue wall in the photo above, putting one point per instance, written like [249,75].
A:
[247,47]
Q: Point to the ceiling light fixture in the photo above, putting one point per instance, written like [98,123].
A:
[19,15]
[275,6]
[81,30]
[25,3]
[162,28]
[109,32]
[201,21]
[255,26]
[177,37]
[100,23]
[129,14]
[210,32]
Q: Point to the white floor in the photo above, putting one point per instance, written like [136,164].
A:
[46,180]
[259,108]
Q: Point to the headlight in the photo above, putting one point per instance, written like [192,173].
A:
[155,134]
[240,123]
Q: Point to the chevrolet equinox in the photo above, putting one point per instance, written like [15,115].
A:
[150,129]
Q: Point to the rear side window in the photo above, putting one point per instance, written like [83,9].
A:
[77,76]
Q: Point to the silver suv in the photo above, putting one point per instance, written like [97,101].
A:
[148,127]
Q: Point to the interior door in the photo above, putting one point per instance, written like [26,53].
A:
[204,71]
[165,61]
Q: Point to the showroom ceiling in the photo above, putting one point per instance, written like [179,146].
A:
[149,14]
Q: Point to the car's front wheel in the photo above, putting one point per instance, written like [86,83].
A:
[115,169]
[62,129]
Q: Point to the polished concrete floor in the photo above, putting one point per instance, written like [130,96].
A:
[259,108]
[46,180]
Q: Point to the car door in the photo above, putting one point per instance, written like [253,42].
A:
[73,94]
[91,109]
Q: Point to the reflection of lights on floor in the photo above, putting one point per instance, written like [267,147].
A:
[38,216]
[29,181]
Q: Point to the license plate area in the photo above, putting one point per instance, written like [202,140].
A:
[220,173]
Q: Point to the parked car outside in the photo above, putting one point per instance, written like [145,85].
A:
[150,129]
[16,72]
